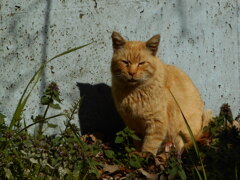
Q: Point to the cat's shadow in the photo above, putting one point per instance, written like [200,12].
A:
[97,113]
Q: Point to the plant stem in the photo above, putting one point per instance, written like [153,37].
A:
[39,122]
[45,113]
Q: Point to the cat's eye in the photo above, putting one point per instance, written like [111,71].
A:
[125,62]
[141,63]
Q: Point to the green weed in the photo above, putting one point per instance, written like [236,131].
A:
[69,155]
[72,156]
[17,116]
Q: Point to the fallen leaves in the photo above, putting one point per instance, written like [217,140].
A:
[148,175]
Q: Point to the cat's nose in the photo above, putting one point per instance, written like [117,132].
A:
[131,73]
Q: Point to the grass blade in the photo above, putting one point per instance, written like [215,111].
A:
[191,135]
[23,100]
[68,51]
[198,173]
[17,116]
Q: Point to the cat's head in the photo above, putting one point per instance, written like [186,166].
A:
[133,62]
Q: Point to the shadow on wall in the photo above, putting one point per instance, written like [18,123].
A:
[97,113]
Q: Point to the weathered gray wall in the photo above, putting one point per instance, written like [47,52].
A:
[199,36]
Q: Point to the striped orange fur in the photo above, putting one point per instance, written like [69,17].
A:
[140,89]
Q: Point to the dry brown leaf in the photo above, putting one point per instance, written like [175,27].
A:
[110,168]
[236,124]
[148,175]
[89,138]
[237,118]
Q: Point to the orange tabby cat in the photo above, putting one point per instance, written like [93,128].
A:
[141,85]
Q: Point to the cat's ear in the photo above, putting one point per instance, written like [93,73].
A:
[153,43]
[117,41]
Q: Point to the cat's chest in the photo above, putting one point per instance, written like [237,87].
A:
[138,103]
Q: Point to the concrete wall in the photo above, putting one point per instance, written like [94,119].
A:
[201,37]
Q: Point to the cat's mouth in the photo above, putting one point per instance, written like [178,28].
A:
[132,80]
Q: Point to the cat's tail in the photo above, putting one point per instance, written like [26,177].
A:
[207,117]
[204,136]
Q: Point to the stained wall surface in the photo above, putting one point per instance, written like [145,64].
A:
[200,37]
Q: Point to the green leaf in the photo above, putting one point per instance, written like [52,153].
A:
[62,171]
[94,171]
[93,167]
[56,98]
[135,137]
[8,173]
[50,125]
[76,173]
[128,149]
[119,140]
[54,106]
[110,154]
[135,162]
[38,118]
[2,117]
[182,174]
[2,139]
[45,100]
[173,171]
[34,161]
